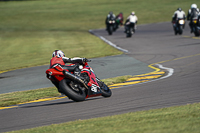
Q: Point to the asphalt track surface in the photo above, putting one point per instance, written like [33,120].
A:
[152,43]
[35,77]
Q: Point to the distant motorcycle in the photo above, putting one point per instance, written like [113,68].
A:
[178,26]
[130,29]
[195,28]
[77,81]
[118,22]
[111,26]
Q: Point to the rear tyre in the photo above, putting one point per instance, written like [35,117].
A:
[72,90]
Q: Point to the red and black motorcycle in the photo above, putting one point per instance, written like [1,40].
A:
[77,81]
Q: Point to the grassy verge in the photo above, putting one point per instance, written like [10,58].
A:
[31,30]
[15,98]
[178,119]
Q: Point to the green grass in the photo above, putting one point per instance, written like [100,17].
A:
[178,119]
[15,98]
[35,48]
[31,30]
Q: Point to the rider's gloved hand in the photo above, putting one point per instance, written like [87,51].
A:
[86,60]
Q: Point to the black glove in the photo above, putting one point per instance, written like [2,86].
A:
[86,60]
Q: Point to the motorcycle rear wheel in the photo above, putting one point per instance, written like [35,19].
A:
[73,92]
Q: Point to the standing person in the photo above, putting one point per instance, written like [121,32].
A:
[178,14]
[192,14]
[131,20]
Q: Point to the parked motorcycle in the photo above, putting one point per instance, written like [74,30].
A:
[130,29]
[178,26]
[77,81]
[195,28]
[111,26]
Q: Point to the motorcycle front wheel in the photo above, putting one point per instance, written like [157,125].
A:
[110,30]
[106,92]
[72,90]
[180,30]
[196,32]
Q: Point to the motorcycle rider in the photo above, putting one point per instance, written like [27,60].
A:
[131,19]
[120,18]
[192,14]
[110,16]
[58,58]
[178,14]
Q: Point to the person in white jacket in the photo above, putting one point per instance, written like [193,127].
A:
[131,20]
[178,14]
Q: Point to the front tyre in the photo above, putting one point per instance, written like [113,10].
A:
[72,90]
[196,32]
[110,29]
[106,92]
[180,30]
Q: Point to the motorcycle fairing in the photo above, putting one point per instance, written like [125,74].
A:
[56,71]
[94,88]
[93,91]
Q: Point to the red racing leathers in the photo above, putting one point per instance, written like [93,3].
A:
[62,60]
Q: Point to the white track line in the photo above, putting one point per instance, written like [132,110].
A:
[109,42]
[170,73]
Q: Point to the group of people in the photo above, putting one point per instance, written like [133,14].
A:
[193,14]
[131,19]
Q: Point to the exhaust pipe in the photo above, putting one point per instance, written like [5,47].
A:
[73,77]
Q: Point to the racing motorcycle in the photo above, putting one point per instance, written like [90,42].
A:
[77,81]
[130,29]
[178,26]
[118,22]
[111,26]
[195,27]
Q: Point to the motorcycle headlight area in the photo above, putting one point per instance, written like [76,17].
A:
[181,21]
[111,21]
